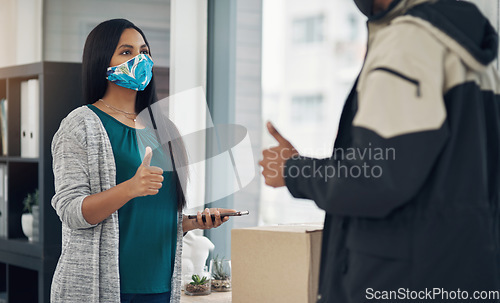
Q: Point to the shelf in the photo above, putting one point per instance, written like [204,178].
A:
[21,247]
[4,159]
[22,71]
[23,160]
[12,259]
[26,268]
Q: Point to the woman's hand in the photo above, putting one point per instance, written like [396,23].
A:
[198,223]
[148,179]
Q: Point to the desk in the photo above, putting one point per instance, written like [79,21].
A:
[214,297]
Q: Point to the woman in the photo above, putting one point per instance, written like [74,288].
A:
[121,214]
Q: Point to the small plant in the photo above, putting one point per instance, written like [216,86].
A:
[30,201]
[221,273]
[218,271]
[197,280]
[199,286]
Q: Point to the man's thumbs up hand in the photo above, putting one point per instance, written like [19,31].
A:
[274,132]
[148,179]
[274,158]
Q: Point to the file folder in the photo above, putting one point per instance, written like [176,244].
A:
[30,118]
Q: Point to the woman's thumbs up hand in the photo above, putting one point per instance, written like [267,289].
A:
[148,179]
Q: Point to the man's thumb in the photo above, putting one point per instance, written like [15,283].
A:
[276,134]
[147,157]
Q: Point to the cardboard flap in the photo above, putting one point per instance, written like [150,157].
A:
[290,228]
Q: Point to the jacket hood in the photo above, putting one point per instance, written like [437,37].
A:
[459,20]
[463,22]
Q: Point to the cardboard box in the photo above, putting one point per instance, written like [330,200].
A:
[276,263]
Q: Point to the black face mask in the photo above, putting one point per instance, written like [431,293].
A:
[365,6]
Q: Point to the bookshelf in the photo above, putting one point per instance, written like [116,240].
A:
[26,268]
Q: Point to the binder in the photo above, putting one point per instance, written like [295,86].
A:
[30,118]
[3,126]
[3,201]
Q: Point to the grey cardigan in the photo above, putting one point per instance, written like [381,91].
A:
[83,164]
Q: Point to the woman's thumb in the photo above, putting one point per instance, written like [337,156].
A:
[147,157]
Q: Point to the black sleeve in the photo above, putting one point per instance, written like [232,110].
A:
[369,179]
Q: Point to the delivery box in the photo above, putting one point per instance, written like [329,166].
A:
[276,263]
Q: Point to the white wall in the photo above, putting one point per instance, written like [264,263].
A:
[68,22]
[20,31]
[248,100]
[188,71]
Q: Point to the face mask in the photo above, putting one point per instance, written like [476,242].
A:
[365,6]
[134,74]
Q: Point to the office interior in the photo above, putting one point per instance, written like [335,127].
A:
[246,61]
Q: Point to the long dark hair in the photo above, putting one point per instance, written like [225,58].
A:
[99,48]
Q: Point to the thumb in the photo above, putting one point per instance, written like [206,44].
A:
[147,157]
[272,130]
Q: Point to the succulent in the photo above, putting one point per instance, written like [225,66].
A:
[30,201]
[218,271]
[197,280]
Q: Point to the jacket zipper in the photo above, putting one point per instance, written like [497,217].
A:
[391,71]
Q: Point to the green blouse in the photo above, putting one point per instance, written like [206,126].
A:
[148,225]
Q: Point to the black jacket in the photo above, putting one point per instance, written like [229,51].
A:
[411,192]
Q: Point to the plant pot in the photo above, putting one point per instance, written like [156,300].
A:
[27,225]
[221,275]
[221,285]
[199,290]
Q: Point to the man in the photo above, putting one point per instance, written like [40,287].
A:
[411,192]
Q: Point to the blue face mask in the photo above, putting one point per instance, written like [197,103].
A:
[134,74]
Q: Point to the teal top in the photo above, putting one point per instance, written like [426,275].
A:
[148,225]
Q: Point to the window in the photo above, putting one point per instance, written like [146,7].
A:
[304,88]
[308,30]
[307,109]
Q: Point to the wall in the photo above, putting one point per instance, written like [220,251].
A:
[20,31]
[188,58]
[68,22]
[248,95]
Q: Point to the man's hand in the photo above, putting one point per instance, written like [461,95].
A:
[274,158]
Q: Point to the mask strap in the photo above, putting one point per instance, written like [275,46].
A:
[179,191]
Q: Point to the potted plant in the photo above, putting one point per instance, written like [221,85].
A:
[29,219]
[221,274]
[200,285]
